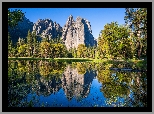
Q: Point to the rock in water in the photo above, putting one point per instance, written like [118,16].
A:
[77,32]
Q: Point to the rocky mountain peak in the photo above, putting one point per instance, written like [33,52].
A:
[47,28]
[77,32]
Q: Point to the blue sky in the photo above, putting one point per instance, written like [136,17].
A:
[98,17]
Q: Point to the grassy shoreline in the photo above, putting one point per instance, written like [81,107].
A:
[51,59]
[70,59]
[131,62]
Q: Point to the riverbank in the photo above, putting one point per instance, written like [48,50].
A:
[85,59]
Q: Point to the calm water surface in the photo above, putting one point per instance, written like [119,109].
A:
[79,84]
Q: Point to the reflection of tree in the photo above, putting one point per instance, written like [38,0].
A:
[124,77]
[81,68]
[117,85]
[17,87]
[139,90]
[17,92]
[48,81]
[44,68]
[52,68]
[75,84]
[114,89]
[114,85]
[31,71]
[104,74]
[24,76]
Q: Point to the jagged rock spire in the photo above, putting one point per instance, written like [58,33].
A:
[77,32]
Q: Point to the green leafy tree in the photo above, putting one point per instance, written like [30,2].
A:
[114,41]
[44,49]
[58,50]
[81,50]
[21,47]
[22,50]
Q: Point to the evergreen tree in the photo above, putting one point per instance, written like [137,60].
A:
[29,44]
[14,17]
[9,46]
[34,37]
[136,18]
[21,47]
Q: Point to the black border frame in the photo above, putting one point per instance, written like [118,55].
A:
[6,5]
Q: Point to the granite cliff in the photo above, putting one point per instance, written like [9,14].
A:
[77,32]
[47,28]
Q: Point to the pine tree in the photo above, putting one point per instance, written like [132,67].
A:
[29,44]
[34,37]
[9,46]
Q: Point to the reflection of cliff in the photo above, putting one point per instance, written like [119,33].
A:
[46,86]
[75,84]
[48,81]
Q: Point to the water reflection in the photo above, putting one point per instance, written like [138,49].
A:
[76,84]
[31,81]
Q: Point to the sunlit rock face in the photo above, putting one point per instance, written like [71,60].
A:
[47,28]
[76,85]
[77,32]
